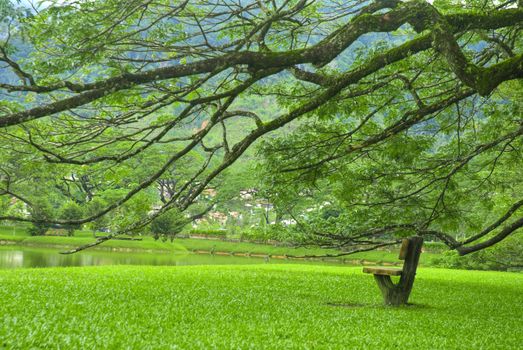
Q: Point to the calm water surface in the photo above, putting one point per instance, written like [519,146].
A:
[18,256]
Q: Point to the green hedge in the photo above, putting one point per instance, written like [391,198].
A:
[209,232]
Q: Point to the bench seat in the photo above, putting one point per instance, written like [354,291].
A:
[386,271]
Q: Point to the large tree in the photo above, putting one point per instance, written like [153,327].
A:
[89,87]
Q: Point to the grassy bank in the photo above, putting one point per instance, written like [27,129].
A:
[254,307]
[83,237]
[20,236]
[209,245]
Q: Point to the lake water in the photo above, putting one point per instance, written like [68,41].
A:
[18,256]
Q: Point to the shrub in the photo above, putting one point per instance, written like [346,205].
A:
[94,207]
[209,232]
[40,210]
[168,224]
[264,234]
[505,256]
[71,211]
[38,229]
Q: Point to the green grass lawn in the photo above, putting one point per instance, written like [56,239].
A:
[254,307]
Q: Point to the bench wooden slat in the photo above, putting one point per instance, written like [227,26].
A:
[388,271]
[404,248]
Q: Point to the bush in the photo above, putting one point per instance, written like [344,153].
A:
[168,224]
[40,210]
[209,232]
[504,256]
[94,207]
[38,229]
[71,211]
[268,232]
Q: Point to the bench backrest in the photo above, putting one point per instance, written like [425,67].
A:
[404,248]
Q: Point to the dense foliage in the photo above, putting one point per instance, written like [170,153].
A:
[401,117]
[506,256]
[167,225]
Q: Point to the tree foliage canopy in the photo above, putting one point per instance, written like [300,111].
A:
[408,113]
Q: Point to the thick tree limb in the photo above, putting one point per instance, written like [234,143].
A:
[414,12]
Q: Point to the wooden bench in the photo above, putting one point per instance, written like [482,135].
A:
[398,294]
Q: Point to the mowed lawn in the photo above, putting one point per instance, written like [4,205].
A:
[254,307]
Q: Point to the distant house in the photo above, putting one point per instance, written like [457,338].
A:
[288,222]
[248,194]
[201,221]
[235,214]
[218,216]
[263,203]
[154,209]
[209,192]
[23,208]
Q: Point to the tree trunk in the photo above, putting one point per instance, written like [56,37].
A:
[398,294]
[393,295]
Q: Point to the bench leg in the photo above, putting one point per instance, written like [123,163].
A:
[393,294]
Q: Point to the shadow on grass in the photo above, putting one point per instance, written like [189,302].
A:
[351,305]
